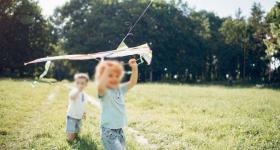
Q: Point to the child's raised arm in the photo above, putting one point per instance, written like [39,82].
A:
[93,101]
[102,81]
[134,75]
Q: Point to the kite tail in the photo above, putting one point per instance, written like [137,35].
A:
[47,67]
[41,77]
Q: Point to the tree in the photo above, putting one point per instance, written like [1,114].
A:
[256,48]
[206,27]
[187,44]
[24,35]
[272,40]
[234,32]
[91,26]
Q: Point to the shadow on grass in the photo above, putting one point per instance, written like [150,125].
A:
[84,143]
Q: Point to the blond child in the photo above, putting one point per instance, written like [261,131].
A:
[111,94]
[76,107]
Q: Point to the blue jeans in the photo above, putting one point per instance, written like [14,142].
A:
[73,125]
[112,139]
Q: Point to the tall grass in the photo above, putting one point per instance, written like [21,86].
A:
[169,116]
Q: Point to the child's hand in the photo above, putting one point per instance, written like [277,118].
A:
[134,73]
[80,89]
[132,63]
[85,116]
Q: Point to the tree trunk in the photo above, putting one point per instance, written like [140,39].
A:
[244,62]
[151,75]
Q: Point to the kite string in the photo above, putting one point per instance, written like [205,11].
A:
[136,22]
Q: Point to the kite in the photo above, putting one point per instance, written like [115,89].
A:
[143,51]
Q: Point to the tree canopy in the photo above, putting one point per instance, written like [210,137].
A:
[24,35]
[188,45]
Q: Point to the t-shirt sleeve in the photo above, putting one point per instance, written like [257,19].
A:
[124,88]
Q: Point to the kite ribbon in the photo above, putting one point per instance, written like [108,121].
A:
[47,66]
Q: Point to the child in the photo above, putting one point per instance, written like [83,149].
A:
[113,115]
[76,108]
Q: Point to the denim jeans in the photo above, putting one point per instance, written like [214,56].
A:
[112,139]
[73,125]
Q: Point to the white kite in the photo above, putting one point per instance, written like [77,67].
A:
[143,51]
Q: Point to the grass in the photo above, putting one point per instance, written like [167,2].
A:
[169,116]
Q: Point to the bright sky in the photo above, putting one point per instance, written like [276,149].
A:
[48,6]
[226,8]
[222,8]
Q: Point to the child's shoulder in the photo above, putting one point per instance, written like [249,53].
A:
[123,87]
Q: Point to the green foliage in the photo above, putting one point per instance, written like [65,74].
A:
[234,31]
[172,35]
[273,44]
[257,29]
[24,35]
[246,41]
[272,41]
[191,45]
[235,36]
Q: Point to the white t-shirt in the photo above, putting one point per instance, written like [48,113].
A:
[77,107]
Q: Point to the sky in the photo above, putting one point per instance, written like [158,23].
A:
[226,8]
[223,8]
[48,6]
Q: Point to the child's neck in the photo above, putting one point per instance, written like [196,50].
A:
[112,88]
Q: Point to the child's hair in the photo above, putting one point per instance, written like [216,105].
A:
[115,65]
[81,76]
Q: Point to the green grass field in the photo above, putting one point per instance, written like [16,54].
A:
[164,116]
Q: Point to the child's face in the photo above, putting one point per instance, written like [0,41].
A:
[81,83]
[113,80]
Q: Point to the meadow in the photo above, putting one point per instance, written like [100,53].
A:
[161,116]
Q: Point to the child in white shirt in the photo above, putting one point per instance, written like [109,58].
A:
[76,108]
